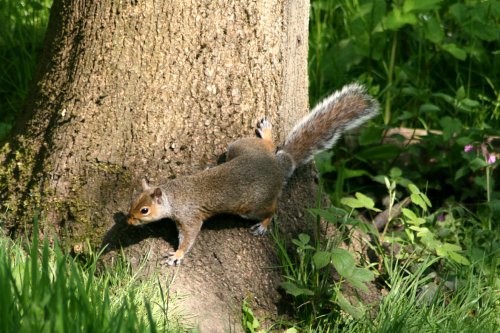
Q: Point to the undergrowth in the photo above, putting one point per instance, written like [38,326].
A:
[409,276]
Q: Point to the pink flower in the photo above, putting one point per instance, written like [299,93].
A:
[491,159]
[468,148]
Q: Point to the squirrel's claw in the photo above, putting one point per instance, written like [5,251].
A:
[258,229]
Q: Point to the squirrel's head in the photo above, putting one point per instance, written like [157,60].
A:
[148,207]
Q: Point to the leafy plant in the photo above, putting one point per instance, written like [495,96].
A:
[426,59]
[310,282]
[249,321]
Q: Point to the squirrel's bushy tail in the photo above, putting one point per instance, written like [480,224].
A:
[321,128]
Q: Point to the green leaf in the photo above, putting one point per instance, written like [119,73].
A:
[357,284]
[450,126]
[459,258]
[461,172]
[464,140]
[470,103]
[429,108]
[426,199]
[343,262]
[380,179]
[409,214]
[433,30]
[477,164]
[495,207]
[420,5]
[459,12]
[337,215]
[367,202]
[303,242]
[332,214]
[421,231]
[485,30]
[396,19]
[345,54]
[451,247]
[345,305]
[370,135]
[380,152]
[447,98]
[363,274]
[410,235]
[413,189]
[412,217]
[292,289]
[388,184]
[361,201]
[304,238]
[353,173]
[460,93]
[417,200]
[481,182]
[358,278]
[395,172]
[455,51]
[450,251]
[321,259]
[351,202]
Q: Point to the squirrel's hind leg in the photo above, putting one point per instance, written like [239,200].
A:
[260,228]
[266,216]
[264,130]
[262,144]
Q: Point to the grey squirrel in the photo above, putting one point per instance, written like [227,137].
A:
[250,181]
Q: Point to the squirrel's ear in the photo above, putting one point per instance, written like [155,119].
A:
[157,195]
[144,184]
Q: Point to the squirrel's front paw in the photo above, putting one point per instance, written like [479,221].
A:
[174,258]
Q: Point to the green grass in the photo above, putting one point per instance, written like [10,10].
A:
[420,302]
[22,30]
[426,294]
[44,290]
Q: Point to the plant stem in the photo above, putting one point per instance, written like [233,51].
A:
[488,190]
[387,111]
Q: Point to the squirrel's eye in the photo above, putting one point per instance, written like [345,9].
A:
[144,210]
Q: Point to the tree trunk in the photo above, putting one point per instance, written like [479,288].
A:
[127,89]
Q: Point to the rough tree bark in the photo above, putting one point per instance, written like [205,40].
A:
[127,89]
